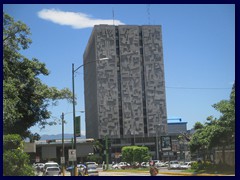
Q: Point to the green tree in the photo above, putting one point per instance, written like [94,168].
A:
[216,132]
[98,152]
[25,97]
[198,125]
[140,154]
[199,141]
[34,137]
[222,131]
[127,154]
[15,161]
[133,154]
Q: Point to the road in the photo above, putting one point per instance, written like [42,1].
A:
[116,173]
[162,172]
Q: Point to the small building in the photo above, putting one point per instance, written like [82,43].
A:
[47,150]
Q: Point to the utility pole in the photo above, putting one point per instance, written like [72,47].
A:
[74,122]
[63,153]
[74,118]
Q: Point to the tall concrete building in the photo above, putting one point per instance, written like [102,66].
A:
[124,83]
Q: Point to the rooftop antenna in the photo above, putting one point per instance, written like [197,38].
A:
[113,15]
[148,13]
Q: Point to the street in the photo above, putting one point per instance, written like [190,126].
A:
[120,173]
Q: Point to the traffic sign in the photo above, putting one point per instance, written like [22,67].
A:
[72,155]
[62,160]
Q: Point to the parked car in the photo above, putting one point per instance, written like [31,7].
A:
[38,166]
[50,164]
[52,171]
[185,165]
[121,165]
[174,165]
[160,164]
[156,161]
[94,163]
[91,170]
[145,164]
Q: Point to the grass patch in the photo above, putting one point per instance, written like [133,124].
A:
[209,171]
[128,170]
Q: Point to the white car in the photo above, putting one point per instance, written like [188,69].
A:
[174,165]
[160,164]
[38,166]
[94,163]
[50,164]
[92,170]
[121,165]
[52,171]
[145,164]
[186,165]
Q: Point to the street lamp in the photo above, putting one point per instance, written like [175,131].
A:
[74,122]
[63,153]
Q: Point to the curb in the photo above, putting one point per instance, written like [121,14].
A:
[192,174]
[189,174]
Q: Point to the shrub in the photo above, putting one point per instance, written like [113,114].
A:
[15,161]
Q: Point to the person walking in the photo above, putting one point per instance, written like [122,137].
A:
[153,170]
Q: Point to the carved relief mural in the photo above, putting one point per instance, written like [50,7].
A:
[107,85]
[131,84]
[134,68]
[154,78]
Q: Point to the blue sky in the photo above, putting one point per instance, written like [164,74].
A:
[198,50]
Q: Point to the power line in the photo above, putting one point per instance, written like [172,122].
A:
[205,88]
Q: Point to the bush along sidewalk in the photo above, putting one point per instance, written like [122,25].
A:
[208,167]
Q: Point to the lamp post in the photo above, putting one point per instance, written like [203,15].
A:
[63,153]
[74,122]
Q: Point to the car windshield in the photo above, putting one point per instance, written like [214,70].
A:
[51,165]
[52,169]
[91,166]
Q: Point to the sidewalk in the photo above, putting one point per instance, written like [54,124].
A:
[192,174]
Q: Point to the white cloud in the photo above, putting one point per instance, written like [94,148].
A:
[73,19]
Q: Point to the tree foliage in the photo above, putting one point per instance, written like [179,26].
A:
[25,97]
[15,161]
[133,154]
[216,132]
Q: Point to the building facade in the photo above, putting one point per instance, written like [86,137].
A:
[124,83]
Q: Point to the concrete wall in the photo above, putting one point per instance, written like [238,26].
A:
[90,89]
[131,81]
[229,157]
[154,78]
[107,84]
[177,128]
[124,95]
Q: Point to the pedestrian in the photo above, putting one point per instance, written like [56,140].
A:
[153,170]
